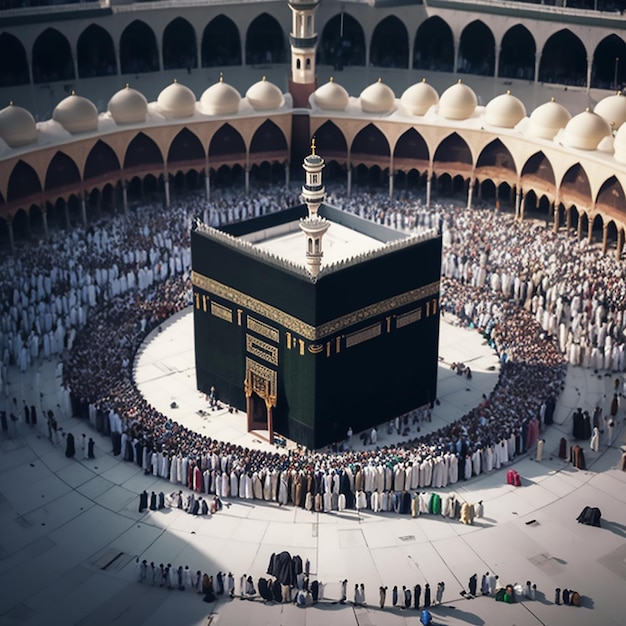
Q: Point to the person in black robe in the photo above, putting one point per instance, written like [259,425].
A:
[27,414]
[277,591]
[207,588]
[143,501]
[219,584]
[394,595]
[70,450]
[204,507]
[91,444]
[407,597]
[264,590]
[33,415]
[195,508]
[161,503]
[4,421]
[473,582]
[153,501]
[427,595]
[315,590]
[116,442]
[417,592]
[563,448]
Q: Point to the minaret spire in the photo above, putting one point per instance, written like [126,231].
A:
[313,225]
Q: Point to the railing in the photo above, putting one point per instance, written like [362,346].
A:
[41,7]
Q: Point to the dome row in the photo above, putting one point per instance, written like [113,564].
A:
[459,102]
[77,114]
[585,131]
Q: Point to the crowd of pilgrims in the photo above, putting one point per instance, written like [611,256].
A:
[91,296]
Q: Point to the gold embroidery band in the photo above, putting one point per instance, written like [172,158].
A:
[262,329]
[363,335]
[313,333]
[408,318]
[222,312]
[263,350]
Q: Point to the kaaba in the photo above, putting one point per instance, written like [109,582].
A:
[313,320]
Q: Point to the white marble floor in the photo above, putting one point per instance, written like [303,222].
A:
[70,529]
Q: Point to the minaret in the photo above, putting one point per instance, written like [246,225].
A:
[314,226]
[303,40]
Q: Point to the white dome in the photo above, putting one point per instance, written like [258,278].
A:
[265,96]
[585,131]
[547,120]
[220,99]
[128,106]
[505,111]
[457,102]
[176,100]
[619,144]
[17,126]
[418,98]
[377,98]
[331,96]
[612,109]
[76,114]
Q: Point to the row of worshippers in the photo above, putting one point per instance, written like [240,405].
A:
[503,416]
[498,416]
[576,293]
[190,503]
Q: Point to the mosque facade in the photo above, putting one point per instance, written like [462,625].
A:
[89,155]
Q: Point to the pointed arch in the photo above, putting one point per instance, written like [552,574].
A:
[611,199]
[138,49]
[563,60]
[265,41]
[269,141]
[495,162]
[227,147]
[142,150]
[538,174]
[575,189]
[608,70]
[390,44]
[411,152]
[13,62]
[52,57]
[221,43]
[101,161]
[62,172]
[23,182]
[187,148]
[369,147]
[477,50]
[95,53]
[179,45]
[331,142]
[517,54]
[342,42]
[434,46]
[453,156]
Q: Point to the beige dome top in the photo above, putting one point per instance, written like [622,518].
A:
[176,100]
[418,98]
[619,144]
[505,111]
[457,102]
[547,120]
[128,106]
[17,126]
[377,98]
[585,131]
[265,96]
[220,99]
[76,114]
[612,109]
[331,96]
